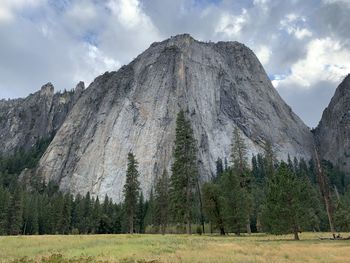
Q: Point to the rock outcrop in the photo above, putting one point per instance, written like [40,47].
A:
[333,131]
[219,86]
[24,121]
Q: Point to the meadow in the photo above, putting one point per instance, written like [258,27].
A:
[173,248]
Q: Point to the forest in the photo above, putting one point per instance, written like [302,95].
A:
[246,195]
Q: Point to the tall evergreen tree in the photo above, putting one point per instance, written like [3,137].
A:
[213,206]
[4,208]
[184,173]
[141,214]
[288,203]
[161,201]
[15,213]
[240,166]
[236,204]
[131,190]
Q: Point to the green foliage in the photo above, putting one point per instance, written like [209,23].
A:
[289,206]
[161,202]
[131,190]
[184,173]
[213,205]
[236,202]
[342,214]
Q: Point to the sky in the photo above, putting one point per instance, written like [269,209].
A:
[304,45]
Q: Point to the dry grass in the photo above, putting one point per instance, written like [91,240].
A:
[173,248]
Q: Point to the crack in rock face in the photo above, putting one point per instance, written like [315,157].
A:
[220,86]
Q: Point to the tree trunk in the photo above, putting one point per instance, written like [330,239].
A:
[188,227]
[325,191]
[200,206]
[131,224]
[249,230]
[296,236]
[258,224]
[222,231]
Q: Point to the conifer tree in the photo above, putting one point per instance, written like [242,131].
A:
[235,202]
[15,213]
[66,214]
[213,206]
[131,190]
[161,201]
[240,166]
[184,173]
[141,213]
[288,203]
[4,208]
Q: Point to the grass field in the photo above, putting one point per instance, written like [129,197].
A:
[173,248]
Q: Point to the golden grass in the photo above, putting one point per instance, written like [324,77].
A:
[176,248]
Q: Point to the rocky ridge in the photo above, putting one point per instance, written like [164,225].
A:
[24,121]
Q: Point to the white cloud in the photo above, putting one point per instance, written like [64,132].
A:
[264,54]
[9,7]
[301,33]
[326,60]
[98,63]
[292,24]
[231,25]
[128,12]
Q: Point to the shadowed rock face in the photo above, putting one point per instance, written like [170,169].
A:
[219,86]
[24,121]
[333,131]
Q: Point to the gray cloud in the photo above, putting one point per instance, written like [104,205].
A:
[64,41]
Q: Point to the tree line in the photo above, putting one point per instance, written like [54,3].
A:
[266,196]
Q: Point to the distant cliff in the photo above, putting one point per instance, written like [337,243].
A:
[333,132]
[25,121]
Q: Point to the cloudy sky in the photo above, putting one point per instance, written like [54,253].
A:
[304,45]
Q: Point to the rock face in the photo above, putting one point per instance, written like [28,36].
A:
[219,86]
[24,121]
[333,132]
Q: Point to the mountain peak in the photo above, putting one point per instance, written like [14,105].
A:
[220,86]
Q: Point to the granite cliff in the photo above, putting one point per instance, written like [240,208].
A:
[24,121]
[333,132]
[219,86]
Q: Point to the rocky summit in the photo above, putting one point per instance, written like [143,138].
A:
[24,121]
[220,86]
[333,131]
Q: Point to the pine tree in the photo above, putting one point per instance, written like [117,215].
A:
[213,205]
[140,214]
[66,220]
[4,208]
[96,216]
[151,218]
[288,203]
[15,213]
[235,202]
[240,166]
[131,190]
[184,173]
[342,213]
[161,202]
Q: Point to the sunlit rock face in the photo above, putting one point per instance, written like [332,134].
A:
[25,121]
[333,131]
[218,85]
